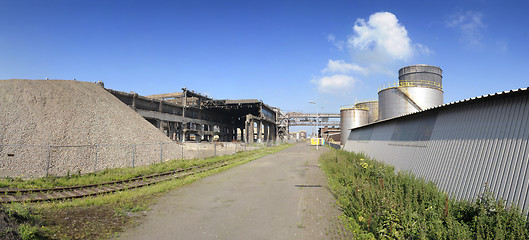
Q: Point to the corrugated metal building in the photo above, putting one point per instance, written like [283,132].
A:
[461,146]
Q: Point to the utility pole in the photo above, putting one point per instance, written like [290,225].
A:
[317,116]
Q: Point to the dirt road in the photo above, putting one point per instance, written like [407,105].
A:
[279,196]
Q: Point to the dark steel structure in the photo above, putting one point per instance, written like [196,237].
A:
[189,116]
[286,120]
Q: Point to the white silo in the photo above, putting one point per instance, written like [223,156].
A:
[371,107]
[419,87]
[351,117]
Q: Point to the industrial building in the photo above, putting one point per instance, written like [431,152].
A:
[189,116]
[330,134]
[419,87]
[351,117]
[298,136]
[462,146]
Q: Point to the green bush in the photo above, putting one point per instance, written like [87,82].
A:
[379,203]
[28,232]
[21,212]
[27,221]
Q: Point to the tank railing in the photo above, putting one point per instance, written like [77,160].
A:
[365,101]
[346,107]
[414,83]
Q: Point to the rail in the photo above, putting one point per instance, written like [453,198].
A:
[17,160]
[415,83]
[70,192]
[312,115]
[365,101]
[312,123]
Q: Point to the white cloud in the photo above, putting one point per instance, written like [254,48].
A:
[337,43]
[382,35]
[470,25]
[377,45]
[422,49]
[340,66]
[338,83]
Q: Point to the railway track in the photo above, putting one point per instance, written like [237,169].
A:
[80,191]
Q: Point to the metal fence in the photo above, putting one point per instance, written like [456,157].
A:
[334,145]
[59,160]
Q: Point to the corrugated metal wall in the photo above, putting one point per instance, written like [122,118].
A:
[460,146]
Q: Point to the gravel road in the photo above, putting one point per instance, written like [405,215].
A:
[279,196]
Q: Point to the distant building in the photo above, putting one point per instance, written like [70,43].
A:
[330,134]
[298,136]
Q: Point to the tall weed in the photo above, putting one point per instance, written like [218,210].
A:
[379,203]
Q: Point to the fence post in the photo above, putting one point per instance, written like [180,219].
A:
[133,149]
[48,162]
[95,164]
[161,152]
[182,151]
[214,149]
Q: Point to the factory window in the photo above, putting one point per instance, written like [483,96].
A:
[268,114]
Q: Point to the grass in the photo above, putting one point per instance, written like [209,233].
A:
[378,203]
[115,174]
[101,217]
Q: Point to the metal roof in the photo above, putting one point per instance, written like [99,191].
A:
[461,146]
[237,101]
[464,101]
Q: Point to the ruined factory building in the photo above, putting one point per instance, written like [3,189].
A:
[189,116]
[59,126]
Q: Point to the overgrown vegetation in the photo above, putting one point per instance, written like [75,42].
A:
[381,204]
[27,221]
[119,173]
[100,217]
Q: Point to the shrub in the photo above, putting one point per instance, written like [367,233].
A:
[379,203]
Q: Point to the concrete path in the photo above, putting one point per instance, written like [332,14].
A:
[279,196]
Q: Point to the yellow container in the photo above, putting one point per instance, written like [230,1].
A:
[317,141]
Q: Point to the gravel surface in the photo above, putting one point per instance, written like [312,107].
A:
[69,113]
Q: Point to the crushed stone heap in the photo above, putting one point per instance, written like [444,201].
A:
[53,114]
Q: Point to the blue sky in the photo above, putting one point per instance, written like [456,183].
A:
[285,53]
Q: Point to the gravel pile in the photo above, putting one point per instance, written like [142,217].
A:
[75,114]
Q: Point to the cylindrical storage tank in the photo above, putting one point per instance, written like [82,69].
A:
[422,75]
[372,107]
[351,117]
[396,101]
